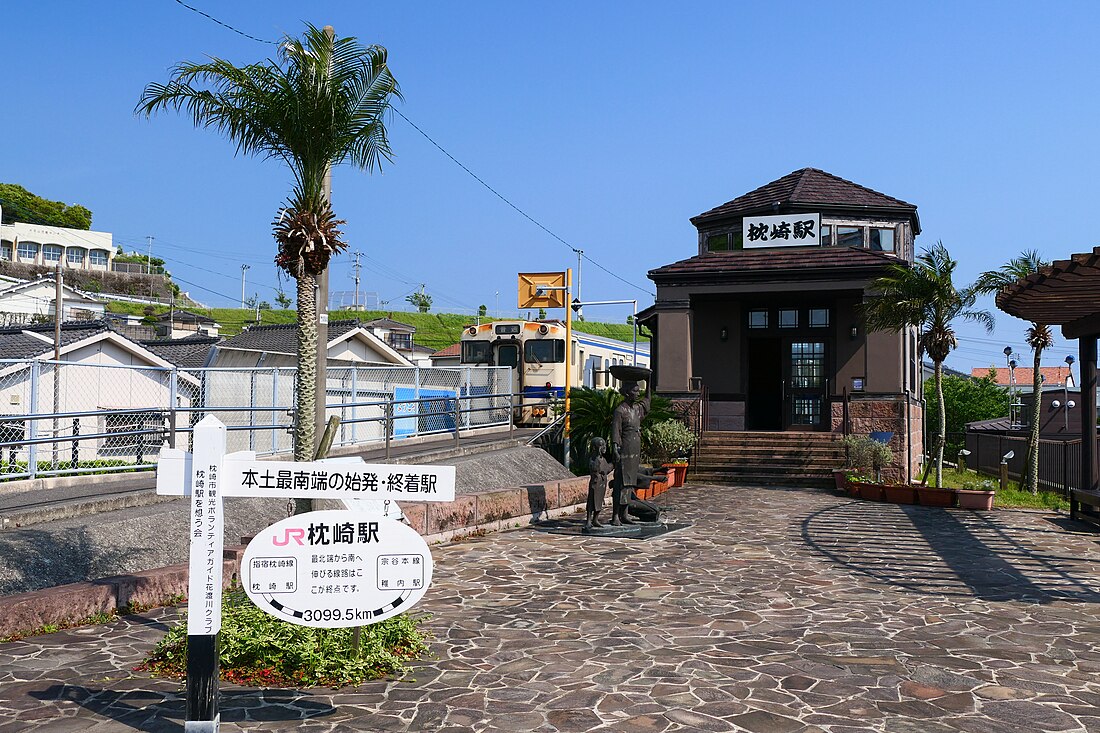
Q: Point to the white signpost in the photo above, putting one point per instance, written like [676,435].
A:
[313,560]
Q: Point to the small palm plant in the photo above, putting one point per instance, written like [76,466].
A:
[1039,338]
[319,104]
[924,296]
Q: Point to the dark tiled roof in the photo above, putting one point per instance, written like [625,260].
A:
[184,317]
[772,260]
[187,353]
[390,324]
[16,343]
[282,338]
[807,187]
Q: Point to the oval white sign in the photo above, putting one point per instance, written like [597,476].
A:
[336,568]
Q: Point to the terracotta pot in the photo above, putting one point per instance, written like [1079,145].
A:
[929,496]
[871,492]
[900,494]
[840,476]
[971,499]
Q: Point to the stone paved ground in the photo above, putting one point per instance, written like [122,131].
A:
[777,611]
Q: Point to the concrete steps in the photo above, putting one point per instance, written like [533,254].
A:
[767,459]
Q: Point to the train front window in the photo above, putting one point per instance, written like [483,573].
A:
[546,351]
[477,352]
[508,355]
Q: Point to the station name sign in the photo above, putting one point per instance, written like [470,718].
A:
[799,230]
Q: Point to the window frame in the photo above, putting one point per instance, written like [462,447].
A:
[93,254]
[755,311]
[779,319]
[853,229]
[69,251]
[893,239]
[32,247]
[810,318]
[52,248]
[557,347]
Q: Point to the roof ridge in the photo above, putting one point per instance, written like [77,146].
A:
[861,186]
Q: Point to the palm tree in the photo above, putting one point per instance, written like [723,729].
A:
[923,296]
[319,104]
[1039,338]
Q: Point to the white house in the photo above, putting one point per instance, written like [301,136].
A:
[38,244]
[109,384]
[22,302]
[349,344]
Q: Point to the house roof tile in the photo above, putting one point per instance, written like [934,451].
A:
[17,342]
[452,350]
[772,260]
[807,187]
[191,352]
[281,338]
[1024,375]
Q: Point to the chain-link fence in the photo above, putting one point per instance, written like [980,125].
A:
[62,417]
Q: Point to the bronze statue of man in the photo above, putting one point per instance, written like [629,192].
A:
[626,447]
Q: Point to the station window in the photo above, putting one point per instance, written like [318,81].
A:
[826,235]
[758,319]
[788,318]
[882,240]
[819,317]
[724,242]
[849,236]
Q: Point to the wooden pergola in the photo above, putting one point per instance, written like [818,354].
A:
[1067,294]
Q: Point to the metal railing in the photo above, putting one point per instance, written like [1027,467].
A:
[1059,460]
[59,418]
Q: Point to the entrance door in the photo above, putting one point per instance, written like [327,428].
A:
[764,399]
[805,385]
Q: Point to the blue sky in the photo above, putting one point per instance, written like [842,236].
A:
[609,123]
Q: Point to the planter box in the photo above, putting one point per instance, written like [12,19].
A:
[900,494]
[676,474]
[971,499]
[870,492]
[928,496]
[840,476]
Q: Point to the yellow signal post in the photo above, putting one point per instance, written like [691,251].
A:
[568,361]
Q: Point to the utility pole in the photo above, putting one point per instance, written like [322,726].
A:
[357,266]
[149,265]
[580,254]
[244,268]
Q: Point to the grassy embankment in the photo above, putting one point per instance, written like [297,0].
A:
[433,330]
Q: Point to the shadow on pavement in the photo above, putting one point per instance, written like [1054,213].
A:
[948,552]
[163,712]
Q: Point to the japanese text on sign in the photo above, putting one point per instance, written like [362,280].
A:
[774,231]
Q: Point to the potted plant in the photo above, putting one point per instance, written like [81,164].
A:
[857,461]
[976,495]
[667,444]
[876,455]
[932,496]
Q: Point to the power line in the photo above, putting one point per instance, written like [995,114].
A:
[521,212]
[224,25]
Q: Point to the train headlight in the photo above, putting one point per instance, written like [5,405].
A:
[472,330]
[544,329]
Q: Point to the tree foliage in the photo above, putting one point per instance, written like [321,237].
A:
[965,400]
[321,103]
[420,300]
[19,204]
[924,296]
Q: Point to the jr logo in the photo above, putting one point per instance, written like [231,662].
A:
[297,533]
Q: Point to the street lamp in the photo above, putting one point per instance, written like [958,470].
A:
[243,269]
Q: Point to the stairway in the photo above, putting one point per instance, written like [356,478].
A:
[766,459]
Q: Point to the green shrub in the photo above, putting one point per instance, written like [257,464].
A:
[665,440]
[259,649]
[865,454]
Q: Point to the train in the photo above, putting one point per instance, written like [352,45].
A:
[536,353]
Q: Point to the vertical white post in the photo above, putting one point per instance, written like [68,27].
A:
[204,581]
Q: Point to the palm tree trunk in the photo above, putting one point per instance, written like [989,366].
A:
[1030,479]
[941,427]
[305,435]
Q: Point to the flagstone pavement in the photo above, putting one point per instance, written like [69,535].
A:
[776,611]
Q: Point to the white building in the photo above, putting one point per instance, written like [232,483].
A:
[25,302]
[38,244]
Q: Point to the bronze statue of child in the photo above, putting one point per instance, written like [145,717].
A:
[598,469]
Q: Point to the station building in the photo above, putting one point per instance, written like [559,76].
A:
[763,318]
